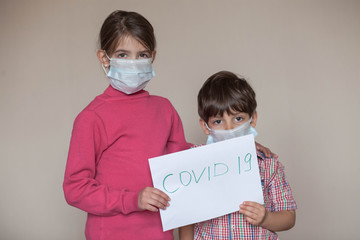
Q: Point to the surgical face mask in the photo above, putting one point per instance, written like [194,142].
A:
[217,135]
[130,76]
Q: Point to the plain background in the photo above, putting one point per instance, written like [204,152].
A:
[301,57]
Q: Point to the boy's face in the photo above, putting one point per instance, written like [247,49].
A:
[228,121]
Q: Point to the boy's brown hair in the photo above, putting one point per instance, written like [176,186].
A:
[225,91]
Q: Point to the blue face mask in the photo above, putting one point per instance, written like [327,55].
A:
[217,135]
[130,76]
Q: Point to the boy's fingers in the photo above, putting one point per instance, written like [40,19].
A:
[250,204]
[248,214]
[251,208]
[247,210]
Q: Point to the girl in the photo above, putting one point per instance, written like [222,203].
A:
[107,172]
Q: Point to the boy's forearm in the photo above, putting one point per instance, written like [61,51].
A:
[186,232]
[279,221]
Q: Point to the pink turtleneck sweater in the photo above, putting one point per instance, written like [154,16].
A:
[107,166]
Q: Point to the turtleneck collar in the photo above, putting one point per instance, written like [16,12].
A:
[111,92]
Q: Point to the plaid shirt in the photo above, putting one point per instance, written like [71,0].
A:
[277,197]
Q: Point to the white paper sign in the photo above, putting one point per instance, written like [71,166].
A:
[208,181]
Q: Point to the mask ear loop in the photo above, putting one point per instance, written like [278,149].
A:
[107,55]
[103,67]
[207,126]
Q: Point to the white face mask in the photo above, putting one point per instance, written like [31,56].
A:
[217,135]
[130,76]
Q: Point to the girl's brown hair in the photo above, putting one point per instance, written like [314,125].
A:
[224,91]
[120,24]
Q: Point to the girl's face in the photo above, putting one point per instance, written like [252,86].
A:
[127,48]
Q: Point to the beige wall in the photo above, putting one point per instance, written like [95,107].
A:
[302,58]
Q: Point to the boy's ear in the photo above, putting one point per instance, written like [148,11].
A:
[254,119]
[203,126]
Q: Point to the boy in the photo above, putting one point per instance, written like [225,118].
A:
[227,109]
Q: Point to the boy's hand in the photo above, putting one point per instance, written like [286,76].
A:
[255,213]
[151,199]
[266,151]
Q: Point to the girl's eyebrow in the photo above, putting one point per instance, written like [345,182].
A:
[126,51]
[145,51]
[121,50]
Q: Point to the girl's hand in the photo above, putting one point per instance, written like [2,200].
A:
[152,199]
[255,213]
[265,150]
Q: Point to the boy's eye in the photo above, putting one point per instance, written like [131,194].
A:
[216,122]
[238,119]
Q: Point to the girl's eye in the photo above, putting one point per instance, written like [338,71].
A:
[144,55]
[238,119]
[121,55]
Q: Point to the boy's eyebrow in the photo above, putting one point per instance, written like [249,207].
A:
[237,112]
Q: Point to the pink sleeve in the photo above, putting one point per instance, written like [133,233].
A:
[176,141]
[81,190]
